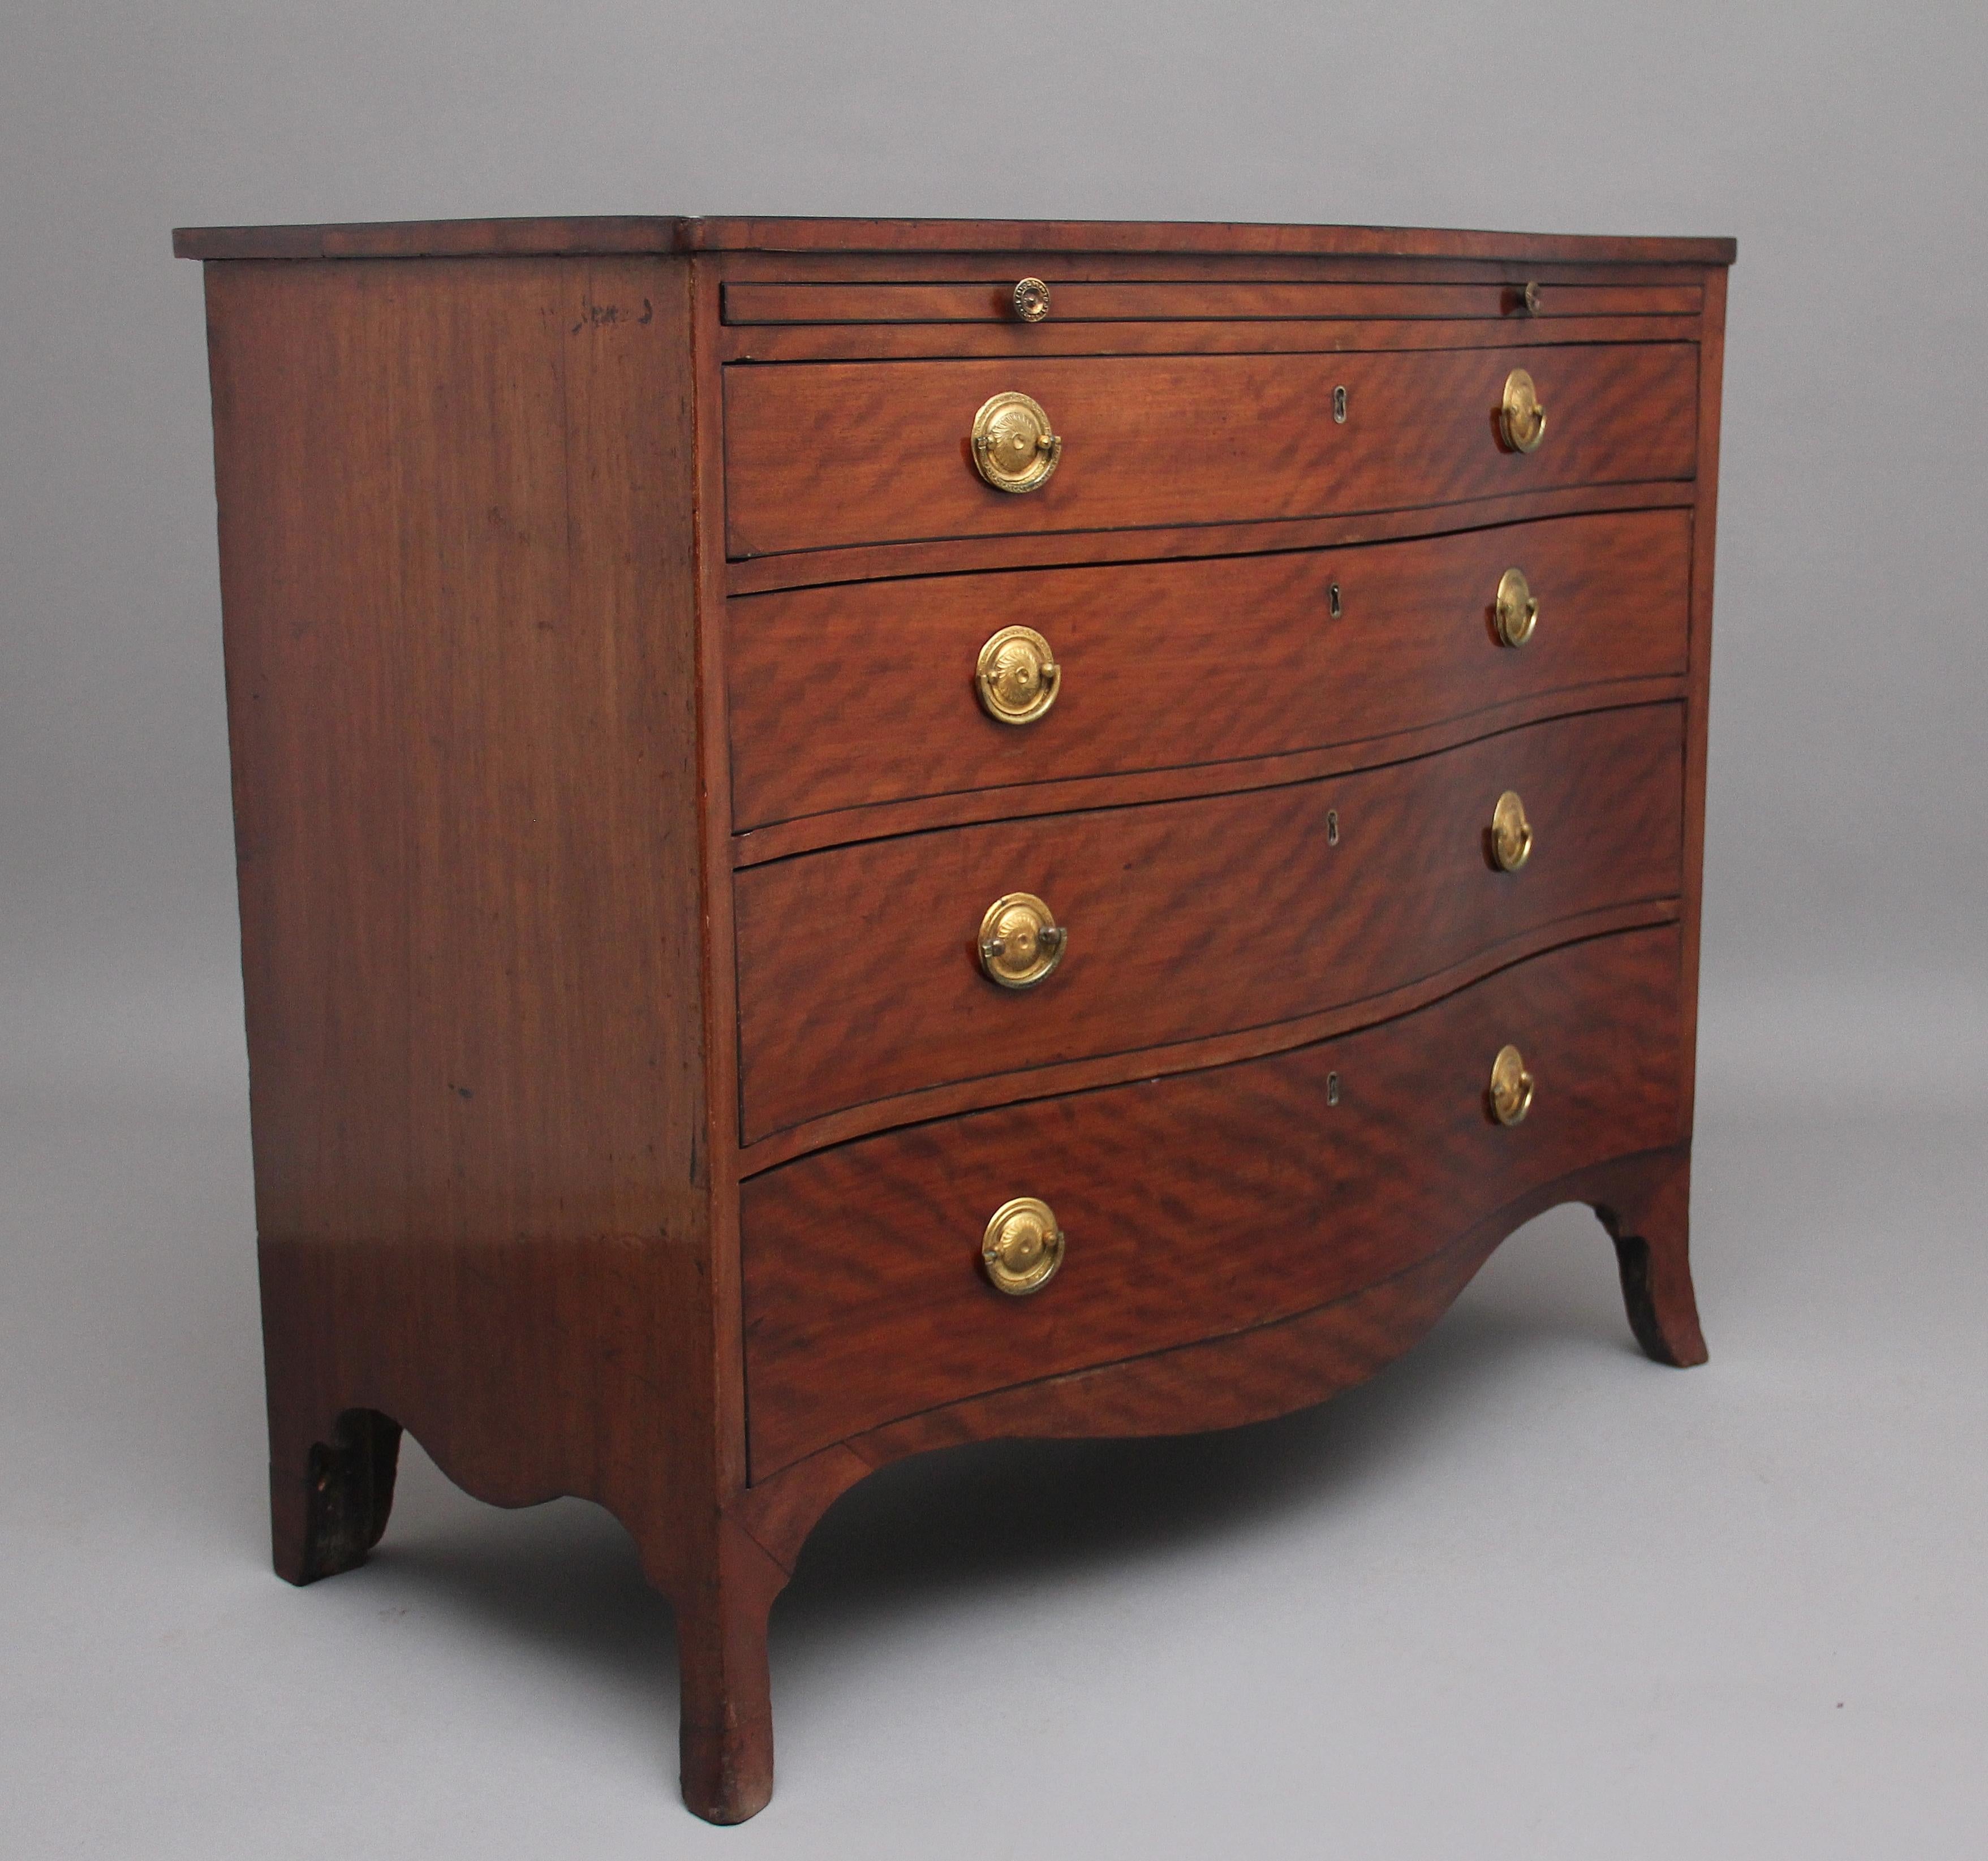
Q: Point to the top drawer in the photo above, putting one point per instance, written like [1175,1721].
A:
[823,455]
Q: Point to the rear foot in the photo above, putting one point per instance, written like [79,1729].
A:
[1648,1217]
[329,1505]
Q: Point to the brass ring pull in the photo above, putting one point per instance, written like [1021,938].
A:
[1031,300]
[1516,611]
[1521,418]
[1022,1247]
[1020,941]
[1013,448]
[1018,676]
[1511,832]
[1511,1087]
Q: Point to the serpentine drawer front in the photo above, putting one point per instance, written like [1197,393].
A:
[1165,665]
[857,835]
[1190,918]
[1153,439]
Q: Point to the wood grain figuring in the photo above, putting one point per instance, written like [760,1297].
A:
[945,1101]
[1150,440]
[627,1101]
[1194,1206]
[857,975]
[1199,662]
[1247,1376]
[973,555]
[760,845]
[993,301]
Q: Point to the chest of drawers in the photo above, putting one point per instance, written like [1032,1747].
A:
[858,836]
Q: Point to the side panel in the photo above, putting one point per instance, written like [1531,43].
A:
[457,581]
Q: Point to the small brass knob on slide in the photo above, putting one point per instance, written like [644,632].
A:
[1522,418]
[1018,676]
[1022,1247]
[1511,832]
[1020,941]
[1013,448]
[1031,300]
[1515,609]
[1511,1087]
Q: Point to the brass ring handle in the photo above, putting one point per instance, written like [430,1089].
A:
[1013,448]
[1511,1087]
[1022,1247]
[1021,942]
[1018,676]
[1031,300]
[1511,832]
[1517,610]
[1521,418]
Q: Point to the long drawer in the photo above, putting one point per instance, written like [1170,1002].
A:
[1190,1206]
[822,454]
[1164,664]
[860,974]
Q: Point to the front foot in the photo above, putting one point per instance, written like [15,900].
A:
[1648,1217]
[329,1503]
[727,1735]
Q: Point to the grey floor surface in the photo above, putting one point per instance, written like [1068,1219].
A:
[1525,1595]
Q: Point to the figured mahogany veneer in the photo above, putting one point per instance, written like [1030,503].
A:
[1196,1205]
[1168,664]
[1186,919]
[1151,440]
[615,818]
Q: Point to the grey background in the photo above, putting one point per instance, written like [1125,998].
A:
[1525,1595]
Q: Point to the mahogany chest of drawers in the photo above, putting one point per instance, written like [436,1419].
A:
[859,834]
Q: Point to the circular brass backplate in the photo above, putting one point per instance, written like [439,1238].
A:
[1517,612]
[1521,418]
[1511,832]
[1018,676]
[1031,300]
[1511,1087]
[1020,941]
[1013,448]
[1022,1247]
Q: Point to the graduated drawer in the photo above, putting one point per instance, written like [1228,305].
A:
[1190,1207]
[1165,663]
[859,969]
[823,454]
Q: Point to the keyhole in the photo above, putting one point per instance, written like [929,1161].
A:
[1332,826]
[1332,603]
[1339,405]
[1332,1088]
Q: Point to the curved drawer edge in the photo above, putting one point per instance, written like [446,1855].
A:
[923,814]
[992,1089]
[1253,1375]
[1047,549]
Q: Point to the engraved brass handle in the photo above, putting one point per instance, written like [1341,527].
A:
[1013,448]
[1018,676]
[1511,1086]
[1031,300]
[1521,418]
[1022,1247]
[1511,832]
[1517,610]
[1020,941]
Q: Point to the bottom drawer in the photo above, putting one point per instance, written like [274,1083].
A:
[1192,1205]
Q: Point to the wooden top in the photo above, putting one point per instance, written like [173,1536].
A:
[472,239]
